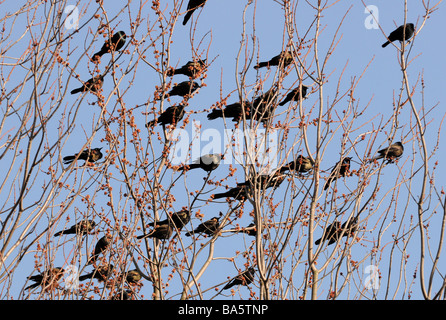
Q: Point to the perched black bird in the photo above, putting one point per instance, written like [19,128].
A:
[207,162]
[335,230]
[100,247]
[294,95]
[179,219]
[191,69]
[89,155]
[93,85]
[133,276]
[285,56]
[191,7]
[392,152]
[404,32]
[47,278]
[340,170]
[101,273]
[115,43]
[161,232]
[241,193]
[234,111]
[244,278]
[265,180]
[172,115]
[264,105]
[208,227]
[301,164]
[81,228]
[184,88]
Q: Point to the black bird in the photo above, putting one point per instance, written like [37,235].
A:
[81,228]
[179,219]
[101,273]
[234,111]
[244,278]
[47,278]
[191,7]
[208,227]
[392,152]
[191,69]
[93,85]
[335,230]
[301,164]
[89,155]
[100,247]
[172,115]
[207,162]
[241,193]
[133,276]
[184,88]
[265,180]
[404,32]
[340,170]
[115,43]
[285,56]
[264,105]
[161,232]
[294,95]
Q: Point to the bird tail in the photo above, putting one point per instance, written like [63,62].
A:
[68,159]
[261,65]
[58,233]
[85,277]
[318,241]
[142,236]
[283,102]
[327,184]
[97,55]
[190,166]
[220,195]
[216,113]
[32,286]
[376,158]
[385,44]
[150,124]
[187,17]
[76,90]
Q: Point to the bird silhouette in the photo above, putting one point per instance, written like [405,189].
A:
[191,69]
[161,232]
[335,230]
[102,245]
[285,57]
[81,228]
[48,278]
[172,115]
[101,273]
[234,111]
[191,7]
[208,227]
[89,155]
[392,152]
[207,162]
[241,193]
[341,169]
[244,278]
[402,33]
[294,95]
[178,219]
[93,85]
[301,164]
[114,43]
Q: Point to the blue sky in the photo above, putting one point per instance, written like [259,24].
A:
[218,36]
